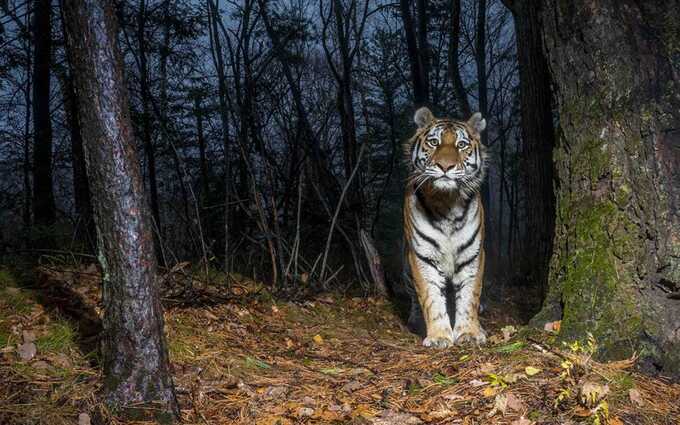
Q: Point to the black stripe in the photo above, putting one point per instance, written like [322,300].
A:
[470,241]
[460,266]
[427,238]
[429,261]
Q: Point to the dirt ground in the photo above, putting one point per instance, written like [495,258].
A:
[240,356]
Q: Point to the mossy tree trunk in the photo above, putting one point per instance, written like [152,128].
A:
[135,358]
[615,271]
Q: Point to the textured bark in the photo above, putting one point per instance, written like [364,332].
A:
[616,264]
[538,140]
[135,360]
[44,210]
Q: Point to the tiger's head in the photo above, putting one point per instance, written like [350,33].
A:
[447,154]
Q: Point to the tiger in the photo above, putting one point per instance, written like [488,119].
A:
[444,225]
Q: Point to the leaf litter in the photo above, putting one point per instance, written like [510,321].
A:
[251,359]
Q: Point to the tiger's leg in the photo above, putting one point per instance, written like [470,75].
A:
[467,327]
[430,288]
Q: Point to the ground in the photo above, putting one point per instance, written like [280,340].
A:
[241,356]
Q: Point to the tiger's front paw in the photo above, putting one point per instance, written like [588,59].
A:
[469,335]
[439,341]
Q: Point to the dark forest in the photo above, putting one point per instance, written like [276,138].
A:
[339,211]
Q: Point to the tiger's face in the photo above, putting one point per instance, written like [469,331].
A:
[447,154]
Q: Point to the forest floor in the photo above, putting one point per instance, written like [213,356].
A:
[240,356]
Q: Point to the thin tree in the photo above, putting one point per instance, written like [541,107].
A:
[44,210]
[135,359]
[538,140]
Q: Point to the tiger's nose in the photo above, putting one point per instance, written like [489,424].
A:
[446,166]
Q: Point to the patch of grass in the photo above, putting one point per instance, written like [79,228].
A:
[14,301]
[445,380]
[180,350]
[60,338]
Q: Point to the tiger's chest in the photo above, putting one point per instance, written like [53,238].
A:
[447,239]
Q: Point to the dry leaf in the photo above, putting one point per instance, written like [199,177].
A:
[499,406]
[305,412]
[489,391]
[531,371]
[508,332]
[318,339]
[84,419]
[477,383]
[591,393]
[27,351]
[635,397]
[615,421]
[515,403]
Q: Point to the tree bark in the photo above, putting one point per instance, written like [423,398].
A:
[135,359]
[538,140]
[616,267]
[44,210]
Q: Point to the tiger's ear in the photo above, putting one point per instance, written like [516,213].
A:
[476,122]
[423,117]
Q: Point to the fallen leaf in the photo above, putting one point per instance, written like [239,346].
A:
[489,391]
[500,405]
[304,412]
[275,392]
[615,421]
[84,419]
[508,332]
[531,371]
[515,403]
[590,393]
[522,421]
[318,339]
[27,351]
[352,386]
[635,397]
[477,383]
[308,401]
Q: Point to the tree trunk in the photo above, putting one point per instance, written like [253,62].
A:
[538,140]
[134,355]
[615,271]
[454,66]
[44,210]
[419,70]
[147,132]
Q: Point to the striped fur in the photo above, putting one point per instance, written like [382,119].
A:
[444,225]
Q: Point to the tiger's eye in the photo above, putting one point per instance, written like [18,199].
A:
[462,144]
